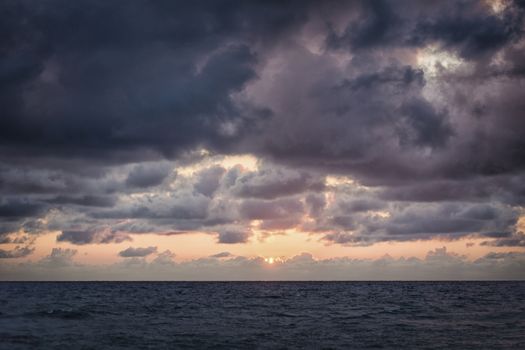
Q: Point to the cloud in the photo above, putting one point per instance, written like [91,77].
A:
[471,33]
[137,252]
[233,235]
[416,128]
[143,176]
[255,209]
[100,236]
[16,253]
[85,200]
[361,205]
[122,121]
[221,255]
[439,264]
[208,180]
[315,204]
[515,240]
[134,88]
[17,208]
[59,258]
[469,28]
[271,183]
[421,221]
[423,125]
[159,206]
[377,26]
[164,258]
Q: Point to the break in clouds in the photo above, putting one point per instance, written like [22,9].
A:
[354,122]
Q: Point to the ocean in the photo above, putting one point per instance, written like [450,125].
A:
[262,315]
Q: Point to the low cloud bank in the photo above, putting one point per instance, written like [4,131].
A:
[438,264]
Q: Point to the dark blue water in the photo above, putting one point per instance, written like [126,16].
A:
[265,315]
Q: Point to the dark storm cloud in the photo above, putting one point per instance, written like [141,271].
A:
[9,226]
[361,204]
[315,204]
[398,76]
[76,237]
[92,236]
[85,200]
[390,121]
[376,26]
[386,122]
[93,78]
[147,176]
[516,240]
[363,218]
[273,183]
[208,180]
[18,208]
[16,213]
[467,27]
[90,78]
[508,189]
[280,224]
[45,177]
[424,125]
[159,207]
[233,236]
[137,252]
[447,219]
[254,209]
[470,30]
[421,103]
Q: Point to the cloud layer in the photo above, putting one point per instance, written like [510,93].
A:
[368,121]
[437,265]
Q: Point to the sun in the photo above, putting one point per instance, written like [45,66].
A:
[269,260]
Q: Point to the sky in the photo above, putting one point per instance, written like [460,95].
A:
[262,140]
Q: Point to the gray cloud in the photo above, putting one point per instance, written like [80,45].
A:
[422,125]
[137,252]
[467,27]
[166,87]
[361,205]
[59,258]
[255,209]
[93,236]
[233,235]
[422,221]
[439,264]
[18,252]
[315,204]
[516,240]
[17,208]
[85,200]
[208,180]
[143,176]
[420,104]
[221,255]
[272,183]
[159,206]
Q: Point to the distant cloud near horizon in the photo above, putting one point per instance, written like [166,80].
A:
[222,255]
[438,264]
[349,123]
[137,252]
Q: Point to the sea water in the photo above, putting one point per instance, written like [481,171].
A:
[262,315]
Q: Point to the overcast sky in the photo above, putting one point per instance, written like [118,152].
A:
[262,140]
